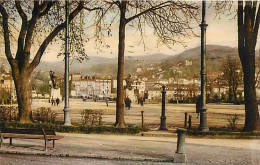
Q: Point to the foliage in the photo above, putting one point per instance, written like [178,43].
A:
[91,117]
[223,132]
[44,115]
[8,113]
[5,96]
[233,120]
[232,74]
[76,129]
[32,26]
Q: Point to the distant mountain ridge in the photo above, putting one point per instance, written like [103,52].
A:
[215,56]
[94,63]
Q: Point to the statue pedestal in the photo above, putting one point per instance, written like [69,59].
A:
[55,93]
[130,94]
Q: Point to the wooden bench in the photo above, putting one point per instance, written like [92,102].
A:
[46,135]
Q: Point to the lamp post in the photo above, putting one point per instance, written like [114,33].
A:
[66,75]
[203,114]
[163,117]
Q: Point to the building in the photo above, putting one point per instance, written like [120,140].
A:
[91,87]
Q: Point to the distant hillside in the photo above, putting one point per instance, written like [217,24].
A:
[102,65]
[215,57]
[212,52]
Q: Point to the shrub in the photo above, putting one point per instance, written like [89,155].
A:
[8,113]
[233,120]
[91,117]
[44,115]
[75,129]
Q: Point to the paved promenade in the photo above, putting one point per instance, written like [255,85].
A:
[142,148]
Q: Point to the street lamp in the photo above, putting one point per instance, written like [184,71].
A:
[163,117]
[203,114]
[66,75]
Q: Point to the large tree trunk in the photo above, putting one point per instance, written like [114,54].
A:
[23,91]
[120,118]
[248,25]
[251,107]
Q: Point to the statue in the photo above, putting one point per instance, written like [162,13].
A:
[54,80]
[129,82]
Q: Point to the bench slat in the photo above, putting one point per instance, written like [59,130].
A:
[29,136]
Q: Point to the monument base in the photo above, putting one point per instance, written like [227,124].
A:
[179,158]
[55,93]
[130,94]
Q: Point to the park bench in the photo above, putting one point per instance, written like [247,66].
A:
[46,135]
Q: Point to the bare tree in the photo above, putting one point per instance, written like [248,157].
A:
[30,25]
[232,74]
[169,19]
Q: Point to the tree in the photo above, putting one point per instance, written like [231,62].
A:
[248,19]
[231,69]
[169,19]
[32,23]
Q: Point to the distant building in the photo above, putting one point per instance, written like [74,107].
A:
[92,87]
[7,84]
[138,70]
[188,63]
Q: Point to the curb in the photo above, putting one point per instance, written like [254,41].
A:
[87,156]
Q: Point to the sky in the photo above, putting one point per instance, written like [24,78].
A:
[221,31]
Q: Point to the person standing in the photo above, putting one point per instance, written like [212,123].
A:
[127,103]
[52,101]
[57,101]
[107,102]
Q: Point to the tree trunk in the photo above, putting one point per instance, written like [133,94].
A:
[120,118]
[23,91]
[247,38]
[251,107]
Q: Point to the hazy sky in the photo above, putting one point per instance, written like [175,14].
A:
[221,31]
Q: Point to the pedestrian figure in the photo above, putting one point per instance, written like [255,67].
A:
[107,101]
[127,103]
[142,101]
[57,101]
[198,105]
[52,101]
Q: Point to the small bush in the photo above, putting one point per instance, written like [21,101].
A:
[91,117]
[44,115]
[8,113]
[233,120]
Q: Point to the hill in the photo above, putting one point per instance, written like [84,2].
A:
[215,58]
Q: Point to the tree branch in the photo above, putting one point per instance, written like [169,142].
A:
[30,29]
[6,34]
[92,9]
[23,28]
[257,22]
[49,38]
[146,11]
[45,7]
[241,31]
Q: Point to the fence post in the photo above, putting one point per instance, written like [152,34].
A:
[185,119]
[180,154]
[142,113]
[189,121]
